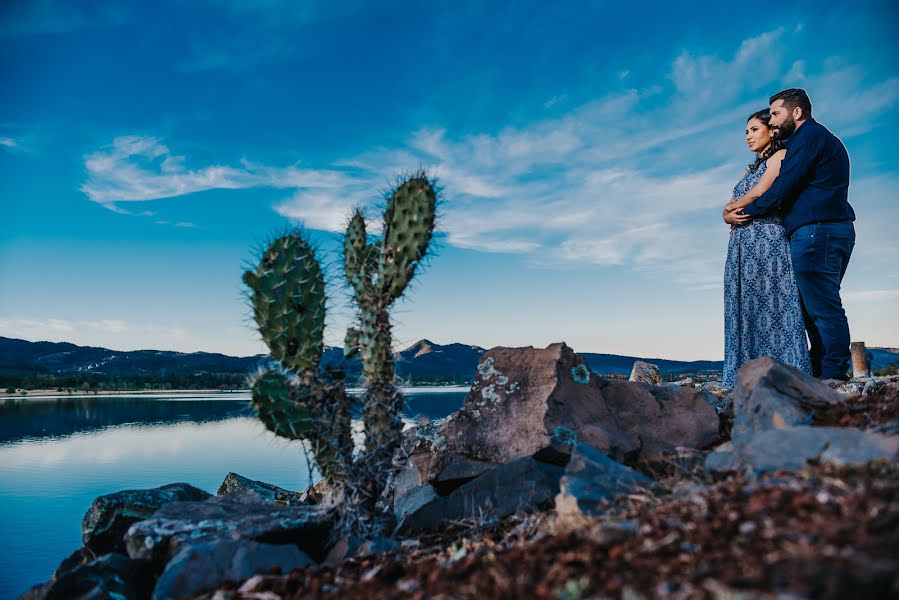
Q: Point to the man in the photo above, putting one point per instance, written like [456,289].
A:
[810,192]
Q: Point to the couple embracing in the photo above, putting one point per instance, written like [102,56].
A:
[790,242]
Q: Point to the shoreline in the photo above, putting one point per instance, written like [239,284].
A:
[39,394]
[84,394]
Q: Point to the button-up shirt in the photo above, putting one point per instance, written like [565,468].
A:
[813,182]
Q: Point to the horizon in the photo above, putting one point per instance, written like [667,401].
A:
[418,342]
[146,151]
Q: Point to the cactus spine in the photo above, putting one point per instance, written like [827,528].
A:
[300,402]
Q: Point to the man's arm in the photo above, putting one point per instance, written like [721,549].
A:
[795,169]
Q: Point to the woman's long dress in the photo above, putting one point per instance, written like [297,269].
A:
[762,314]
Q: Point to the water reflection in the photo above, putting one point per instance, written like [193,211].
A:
[22,418]
[57,455]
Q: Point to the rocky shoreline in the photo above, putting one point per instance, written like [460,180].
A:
[552,482]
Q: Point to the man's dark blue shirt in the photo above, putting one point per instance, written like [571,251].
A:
[813,183]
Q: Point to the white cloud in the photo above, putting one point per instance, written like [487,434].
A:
[635,178]
[136,168]
[110,333]
[8,142]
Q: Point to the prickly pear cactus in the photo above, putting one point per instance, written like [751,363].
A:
[288,298]
[301,402]
[378,273]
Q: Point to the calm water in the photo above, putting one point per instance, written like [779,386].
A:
[57,455]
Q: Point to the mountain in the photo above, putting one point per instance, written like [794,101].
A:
[62,358]
[422,362]
[614,364]
[882,357]
[425,359]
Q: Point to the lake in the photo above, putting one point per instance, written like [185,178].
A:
[58,454]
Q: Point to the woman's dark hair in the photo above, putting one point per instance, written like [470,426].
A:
[764,116]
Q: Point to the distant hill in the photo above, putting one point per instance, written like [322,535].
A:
[422,362]
[17,356]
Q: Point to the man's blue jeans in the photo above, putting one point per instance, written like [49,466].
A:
[820,253]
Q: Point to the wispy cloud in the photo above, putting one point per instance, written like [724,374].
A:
[634,178]
[137,168]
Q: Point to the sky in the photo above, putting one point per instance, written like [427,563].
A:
[584,150]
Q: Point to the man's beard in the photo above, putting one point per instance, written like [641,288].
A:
[785,129]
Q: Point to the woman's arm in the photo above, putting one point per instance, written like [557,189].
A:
[772,169]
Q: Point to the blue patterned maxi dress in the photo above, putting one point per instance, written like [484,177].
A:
[762,314]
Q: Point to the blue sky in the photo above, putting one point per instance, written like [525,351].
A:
[585,151]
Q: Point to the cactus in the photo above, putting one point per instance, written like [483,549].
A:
[288,296]
[301,402]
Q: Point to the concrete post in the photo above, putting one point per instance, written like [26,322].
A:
[859,359]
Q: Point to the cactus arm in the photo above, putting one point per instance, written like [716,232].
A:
[408,228]
[289,302]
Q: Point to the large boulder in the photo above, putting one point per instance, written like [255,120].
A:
[109,517]
[592,480]
[239,516]
[199,567]
[771,394]
[521,395]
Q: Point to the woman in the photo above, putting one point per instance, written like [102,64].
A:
[762,314]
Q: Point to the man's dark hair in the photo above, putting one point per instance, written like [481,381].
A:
[792,98]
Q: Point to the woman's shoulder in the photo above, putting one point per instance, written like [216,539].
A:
[777,157]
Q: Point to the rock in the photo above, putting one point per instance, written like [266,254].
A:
[723,459]
[518,397]
[687,382]
[239,516]
[237,483]
[497,493]
[771,394]
[886,387]
[592,479]
[79,557]
[110,576]
[561,443]
[377,545]
[716,388]
[522,395]
[109,516]
[792,448]
[660,418]
[846,388]
[403,480]
[458,471]
[413,500]
[259,585]
[607,534]
[199,567]
[644,372]
[320,492]
[423,449]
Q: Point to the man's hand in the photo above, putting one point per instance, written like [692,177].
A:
[735,217]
